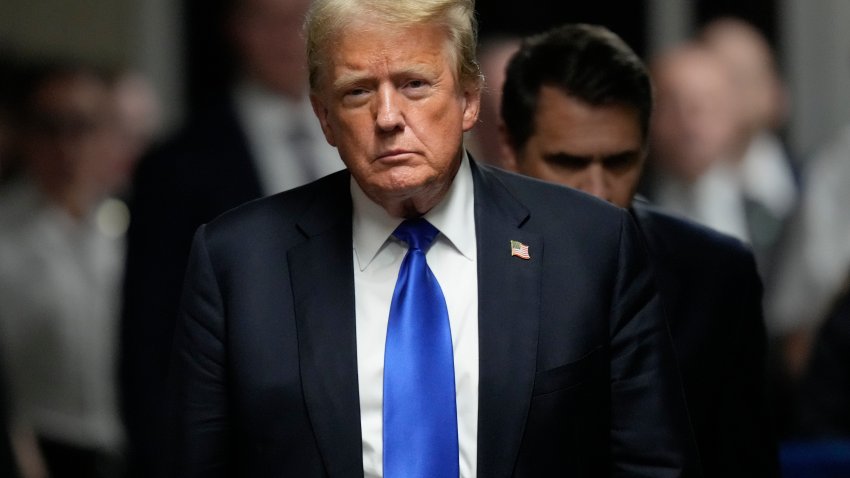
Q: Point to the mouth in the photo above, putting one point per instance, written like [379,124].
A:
[394,155]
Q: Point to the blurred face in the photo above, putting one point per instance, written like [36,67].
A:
[756,84]
[695,123]
[69,135]
[268,35]
[389,101]
[598,149]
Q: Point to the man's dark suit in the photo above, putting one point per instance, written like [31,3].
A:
[200,173]
[576,374]
[711,293]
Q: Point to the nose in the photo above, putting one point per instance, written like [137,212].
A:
[596,183]
[389,115]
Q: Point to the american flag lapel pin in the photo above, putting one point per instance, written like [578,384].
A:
[520,250]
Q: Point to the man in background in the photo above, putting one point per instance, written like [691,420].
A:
[260,140]
[61,257]
[692,139]
[763,168]
[576,111]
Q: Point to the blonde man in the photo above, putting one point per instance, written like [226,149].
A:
[308,346]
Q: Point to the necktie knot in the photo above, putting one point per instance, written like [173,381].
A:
[417,233]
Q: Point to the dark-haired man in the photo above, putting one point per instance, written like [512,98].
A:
[576,110]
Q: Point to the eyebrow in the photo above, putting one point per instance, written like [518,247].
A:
[353,76]
[564,156]
[348,79]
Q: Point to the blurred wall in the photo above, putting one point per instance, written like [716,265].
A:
[815,52]
[142,34]
[668,23]
[96,30]
[812,37]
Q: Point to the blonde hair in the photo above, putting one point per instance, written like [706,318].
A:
[326,18]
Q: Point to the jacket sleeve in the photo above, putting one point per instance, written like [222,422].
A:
[650,430]
[199,372]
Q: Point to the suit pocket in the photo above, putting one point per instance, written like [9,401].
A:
[568,375]
[568,424]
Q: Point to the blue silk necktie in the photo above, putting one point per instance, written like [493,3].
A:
[420,417]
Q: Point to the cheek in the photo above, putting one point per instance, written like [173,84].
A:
[439,120]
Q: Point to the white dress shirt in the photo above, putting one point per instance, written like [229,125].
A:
[271,124]
[766,175]
[59,293]
[452,257]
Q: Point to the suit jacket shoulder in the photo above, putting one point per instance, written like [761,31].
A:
[711,293]
[682,237]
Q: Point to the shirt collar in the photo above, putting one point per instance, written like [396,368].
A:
[454,217]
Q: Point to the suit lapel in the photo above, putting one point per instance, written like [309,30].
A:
[508,321]
[321,271]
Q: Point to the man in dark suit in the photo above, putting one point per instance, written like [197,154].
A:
[576,109]
[561,360]
[253,143]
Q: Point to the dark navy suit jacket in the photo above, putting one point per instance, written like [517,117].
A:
[711,293]
[577,376]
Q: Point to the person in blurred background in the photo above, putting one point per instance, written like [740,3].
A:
[762,166]
[10,69]
[814,256]
[61,257]
[716,157]
[483,141]
[576,111]
[692,136]
[262,139]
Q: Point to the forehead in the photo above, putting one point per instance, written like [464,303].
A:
[563,123]
[363,47]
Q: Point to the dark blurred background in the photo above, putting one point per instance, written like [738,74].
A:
[181,47]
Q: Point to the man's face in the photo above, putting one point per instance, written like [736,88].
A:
[598,149]
[389,101]
[695,123]
[73,136]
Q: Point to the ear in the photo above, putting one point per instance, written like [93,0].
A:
[508,153]
[322,113]
[471,106]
